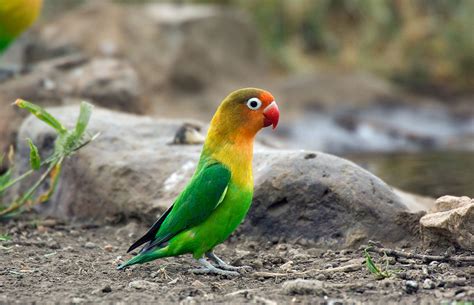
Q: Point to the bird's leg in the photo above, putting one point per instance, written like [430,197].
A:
[223,265]
[208,268]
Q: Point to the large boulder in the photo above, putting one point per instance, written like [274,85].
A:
[108,82]
[188,54]
[133,170]
[451,224]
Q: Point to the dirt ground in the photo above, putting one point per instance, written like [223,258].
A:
[47,262]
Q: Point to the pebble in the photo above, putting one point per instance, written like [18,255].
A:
[107,289]
[142,284]
[108,248]
[428,284]
[321,277]
[42,229]
[443,267]
[198,284]
[300,286]
[53,245]
[425,270]
[434,263]
[411,286]
[77,300]
[346,252]
[90,245]
[287,266]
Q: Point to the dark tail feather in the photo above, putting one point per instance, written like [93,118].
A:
[150,235]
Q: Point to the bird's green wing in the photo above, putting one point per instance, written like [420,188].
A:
[201,196]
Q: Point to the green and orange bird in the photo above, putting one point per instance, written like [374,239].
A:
[15,17]
[219,194]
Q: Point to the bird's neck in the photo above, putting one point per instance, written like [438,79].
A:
[234,150]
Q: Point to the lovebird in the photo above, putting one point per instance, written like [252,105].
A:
[219,194]
[15,17]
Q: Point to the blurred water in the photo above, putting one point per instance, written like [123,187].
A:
[428,151]
[427,173]
[382,129]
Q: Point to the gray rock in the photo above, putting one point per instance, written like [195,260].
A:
[111,83]
[411,286]
[452,227]
[90,245]
[428,284]
[183,53]
[133,171]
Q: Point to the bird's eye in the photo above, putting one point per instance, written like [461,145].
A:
[254,103]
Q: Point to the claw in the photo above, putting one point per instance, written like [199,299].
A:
[223,265]
[208,268]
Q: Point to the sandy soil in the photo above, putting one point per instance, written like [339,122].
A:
[46,261]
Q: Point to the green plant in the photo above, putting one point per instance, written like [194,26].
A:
[4,237]
[378,272]
[67,142]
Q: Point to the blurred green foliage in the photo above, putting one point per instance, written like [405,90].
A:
[423,44]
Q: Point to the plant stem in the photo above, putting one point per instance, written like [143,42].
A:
[20,202]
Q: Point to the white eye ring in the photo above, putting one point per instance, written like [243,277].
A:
[254,103]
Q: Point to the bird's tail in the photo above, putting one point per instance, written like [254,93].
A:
[144,257]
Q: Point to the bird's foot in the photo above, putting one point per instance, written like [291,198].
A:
[208,268]
[234,268]
[224,266]
[214,270]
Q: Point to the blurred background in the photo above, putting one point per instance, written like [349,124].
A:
[388,84]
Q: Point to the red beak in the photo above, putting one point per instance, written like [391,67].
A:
[272,115]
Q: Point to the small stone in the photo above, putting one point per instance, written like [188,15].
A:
[108,248]
[321,277]
[300,286]
[90,245]
[346,251]
[303,242]
[411,286]
[107,289]
[328,253]
[77,300]
[425,270]
[198,284]
[443,267]
[434,263]
[142,285]
[287,266]
[41,229]
[49,223]
[428,284]
[53,245]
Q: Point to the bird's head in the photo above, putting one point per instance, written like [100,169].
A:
[245,112]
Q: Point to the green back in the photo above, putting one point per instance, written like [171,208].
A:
[196,203]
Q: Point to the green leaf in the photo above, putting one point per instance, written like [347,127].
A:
[35,159]
[4,237]
[5,179]
[370,263]
[83,119]
[41,114]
